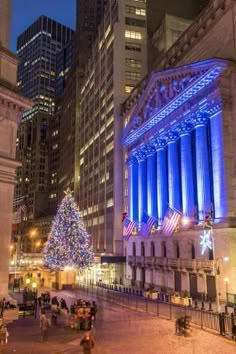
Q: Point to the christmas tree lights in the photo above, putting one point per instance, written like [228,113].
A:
[69,242]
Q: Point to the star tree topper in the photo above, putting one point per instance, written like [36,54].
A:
[206,241]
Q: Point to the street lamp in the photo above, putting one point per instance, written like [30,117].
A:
[226,280]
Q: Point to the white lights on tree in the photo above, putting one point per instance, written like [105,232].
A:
[206,241]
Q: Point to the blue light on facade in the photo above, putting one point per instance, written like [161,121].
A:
[171,169]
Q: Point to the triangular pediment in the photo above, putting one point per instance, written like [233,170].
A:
[166,91]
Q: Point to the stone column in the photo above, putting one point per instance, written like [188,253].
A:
[186,162]
[142,184]
[132,188]
[174,184]
[162,181]
[151,181]
[218,168]
[202,166]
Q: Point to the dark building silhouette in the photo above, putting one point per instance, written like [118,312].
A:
[37,48]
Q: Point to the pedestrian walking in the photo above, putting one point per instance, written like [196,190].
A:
[93,312]
[44,326]
[87,342]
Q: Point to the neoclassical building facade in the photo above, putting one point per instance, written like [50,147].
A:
[12,105]
[180,153]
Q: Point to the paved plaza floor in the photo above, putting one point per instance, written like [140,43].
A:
[117,331]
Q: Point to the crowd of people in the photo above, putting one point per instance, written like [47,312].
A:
[80,316]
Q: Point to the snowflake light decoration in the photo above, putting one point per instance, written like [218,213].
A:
[206,241]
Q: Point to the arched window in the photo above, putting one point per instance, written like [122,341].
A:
[142,249]
[134,249]
[152,249]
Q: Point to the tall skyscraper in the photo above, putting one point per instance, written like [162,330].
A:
[117,63]
[89,16]
[37,47]
[62,130]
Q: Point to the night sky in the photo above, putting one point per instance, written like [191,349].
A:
[25,12]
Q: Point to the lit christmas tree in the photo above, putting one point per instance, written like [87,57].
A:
[69,242]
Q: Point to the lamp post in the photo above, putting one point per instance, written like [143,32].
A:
[217,273]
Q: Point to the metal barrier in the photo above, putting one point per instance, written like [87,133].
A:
[222,323]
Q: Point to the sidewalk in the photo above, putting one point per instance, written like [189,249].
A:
[118,330]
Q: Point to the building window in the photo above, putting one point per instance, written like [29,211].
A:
[163,249]
[177,250]
[152,249]
[133,34]
[134,47]
[193,251]
[210,254]
[128,88]
[134,249]
[142,249]
[133,63]
[129,21]
[130,75]
[135,10]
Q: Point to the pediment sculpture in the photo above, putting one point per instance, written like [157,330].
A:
[166,86]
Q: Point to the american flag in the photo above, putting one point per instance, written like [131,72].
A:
[146,225]
[170,221]
[23,208]
[128,227]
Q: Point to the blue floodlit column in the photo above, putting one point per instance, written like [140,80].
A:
[174,184]
[151,181]
[202,166]
[218,168]
[187,184]
[142,184]
[132,188]
[162,181]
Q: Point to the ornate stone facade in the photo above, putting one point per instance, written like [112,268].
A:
[12,105]
[192,171]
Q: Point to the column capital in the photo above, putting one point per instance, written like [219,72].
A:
[160,143]
[185,128]
[200,119]
[131,160]
[172,136]
[140,155]
[150,149]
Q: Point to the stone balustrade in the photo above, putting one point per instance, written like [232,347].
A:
[172,263]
